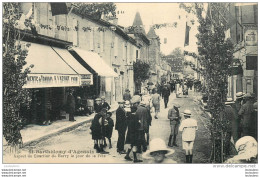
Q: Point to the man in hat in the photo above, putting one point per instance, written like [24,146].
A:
[174,116]
[231,125]
[121,125]
[127,96]
[188,128]
[97,105]
[165,94]
[246,113]
[133,135]
[104,104]
[158,152]
[237,106]
[71,105]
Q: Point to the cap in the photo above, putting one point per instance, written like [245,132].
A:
[176,105]
[229,101]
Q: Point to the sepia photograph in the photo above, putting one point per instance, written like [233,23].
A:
[130,83]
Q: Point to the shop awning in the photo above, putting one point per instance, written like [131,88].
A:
[95,62]
[49,69]
[86,76]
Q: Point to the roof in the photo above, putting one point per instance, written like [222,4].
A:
[151,33]
[138,23]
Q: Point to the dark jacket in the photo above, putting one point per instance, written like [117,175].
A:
[96,127]
[109,128]
[166,92]
[246,112]
[105,105]
[70,104]
[143,117]
[231,120]
[121,122]
[97,107]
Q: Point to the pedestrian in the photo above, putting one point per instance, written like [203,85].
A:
[133,136]
[143,117]
[98,131]
[178,90]
[149,120]
[246,151]
[156,103]
[127,96]
[231,129]
[174,116]
[166,93]
[97,105]
[254,123]
[121,126]
[185,89]
[104,104]
[109,124]
[245,112]
[188,127]
[158,152]
[238,104]
[71,105]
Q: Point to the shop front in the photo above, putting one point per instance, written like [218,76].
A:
[54,72]
[103,74]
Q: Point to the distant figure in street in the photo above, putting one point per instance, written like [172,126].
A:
[109,124]
[104,104]
[158,152]
[166,93]
[174,116]
[127,96]
[232,126]
[185,89]
[98,106]
[133,135]
[98,130]
[246,151]
[188,128]
[71,105]
[121,126]
[156,103]
[246,111]
[238,104]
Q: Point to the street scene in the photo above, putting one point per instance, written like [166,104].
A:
[114,83]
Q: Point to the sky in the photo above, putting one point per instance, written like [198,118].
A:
[159,13]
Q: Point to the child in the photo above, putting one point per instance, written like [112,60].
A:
[189,127]
[158,152]
[109,124]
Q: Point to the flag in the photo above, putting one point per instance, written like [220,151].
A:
[58,8]
[187,35]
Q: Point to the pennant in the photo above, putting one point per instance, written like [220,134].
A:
[58,8]
[187,35]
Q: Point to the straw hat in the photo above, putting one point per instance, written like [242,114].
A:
[157,144]
[187,112]
[98,99]
[239,94]
[229,101]
[246,148]
[121,102]
[103,98]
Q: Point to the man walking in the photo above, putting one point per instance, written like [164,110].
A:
[166,93]
[121,125]
[188,128]
[71,105]
[174,116]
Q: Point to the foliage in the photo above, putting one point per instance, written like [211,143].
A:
[14,77]
[141,71]
[215,56]
[96,9]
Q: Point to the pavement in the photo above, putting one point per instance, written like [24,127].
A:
[40,132]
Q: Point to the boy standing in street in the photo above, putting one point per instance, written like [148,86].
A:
[188,128]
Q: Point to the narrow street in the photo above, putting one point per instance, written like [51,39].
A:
[76,146]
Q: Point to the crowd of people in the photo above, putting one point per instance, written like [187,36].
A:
[133,121]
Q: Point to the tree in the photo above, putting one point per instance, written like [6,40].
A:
[14,75]
[215,56]
[141,73]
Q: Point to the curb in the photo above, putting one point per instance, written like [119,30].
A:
[61,130]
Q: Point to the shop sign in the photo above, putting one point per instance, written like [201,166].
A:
[250,36]
[86,80]
[51,80]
